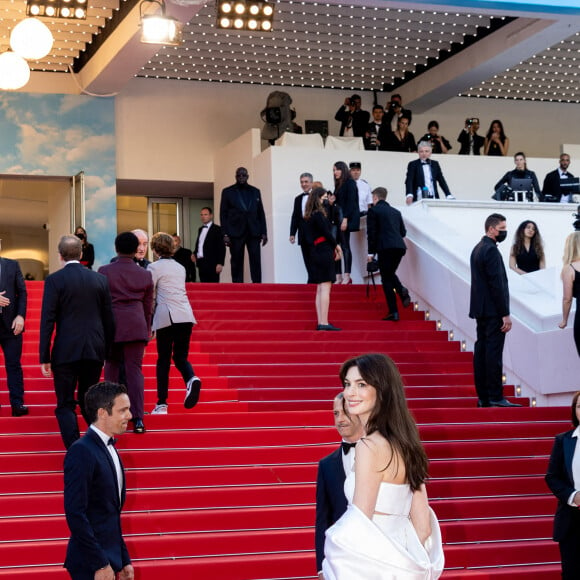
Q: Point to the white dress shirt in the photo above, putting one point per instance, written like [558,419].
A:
[114,456]
[202,236]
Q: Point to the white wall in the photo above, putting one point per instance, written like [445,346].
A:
[172,129]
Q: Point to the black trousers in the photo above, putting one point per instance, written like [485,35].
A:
[85,374]
[306,256]
[569,549]
[346,251]
[207,271]
[172,340]
[237,246]
[389,261]
[12,348]
[488,359]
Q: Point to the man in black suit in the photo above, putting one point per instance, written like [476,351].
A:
[94,490]
[377,131]
[353,120]
[297,220]
[12,313]
[490,306]
[244,225]
[210,251]
[330,499]
[471,142]
[423,175]
[385,233]
[563,479]
[183,256]
[77,302]
[554,188]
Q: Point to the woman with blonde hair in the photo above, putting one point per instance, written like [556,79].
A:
[571,283]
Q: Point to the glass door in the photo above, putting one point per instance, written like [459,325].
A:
[164,214]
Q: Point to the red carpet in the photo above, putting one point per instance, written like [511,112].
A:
[226,491]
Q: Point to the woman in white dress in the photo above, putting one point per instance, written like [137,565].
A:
[388,531]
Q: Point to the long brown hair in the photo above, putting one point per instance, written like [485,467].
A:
[536,241]
[344,175]
[391,416]
[314,202]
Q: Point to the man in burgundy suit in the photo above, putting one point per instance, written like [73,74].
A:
[131,290]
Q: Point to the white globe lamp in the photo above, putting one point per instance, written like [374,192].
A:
[14,71]
[31,39]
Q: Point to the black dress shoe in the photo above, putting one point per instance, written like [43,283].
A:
[138,426]
[327,327]
[19,410]
[392,316]
[503,403]
[481,403]
[405,298]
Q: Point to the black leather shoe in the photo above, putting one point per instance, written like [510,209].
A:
[503,403]
[405,298]
[327,327]
[394,316]
[481,403]
[19,411]
[138,426]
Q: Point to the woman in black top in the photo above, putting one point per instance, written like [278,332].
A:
[438,143]
[88,257]
[324,250]
[402,139]
[346,193]
[527,253]
[520,172]
[571,284]
[496,143]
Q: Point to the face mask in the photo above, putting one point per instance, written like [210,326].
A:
[325,203]
[501,236]
[80,236]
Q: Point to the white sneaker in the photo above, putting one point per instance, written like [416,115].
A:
[192,392]
[159,410]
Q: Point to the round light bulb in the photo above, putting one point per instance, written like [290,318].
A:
[238,23]
[31,39]
[225,22]
[266,25]
[239,8]
[226,7]
[14,71]
[267,10]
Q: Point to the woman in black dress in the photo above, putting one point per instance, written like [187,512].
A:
[346,193]
[88,257]
[402,139]
[324,251]
[527,253]
[571,282]
[496,143]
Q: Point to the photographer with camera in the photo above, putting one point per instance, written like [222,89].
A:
[385,233]
[353,120]
[394,110]
[377,131]
[471,142]
[438,143]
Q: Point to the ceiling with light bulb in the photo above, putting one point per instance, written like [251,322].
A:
[427,52]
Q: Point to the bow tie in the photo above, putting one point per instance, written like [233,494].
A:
[426,162]
[564,174]
[111,441]
[202,227]
[346,447]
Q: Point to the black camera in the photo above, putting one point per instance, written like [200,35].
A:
[352,102]
[393,105]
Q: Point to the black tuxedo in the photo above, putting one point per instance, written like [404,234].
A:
[77,302]
[93,508]
[244,221]
[478,142]
[385,233]
[297,224]
[360,120]
[14,288]
[560,480]
[416,178]
[214,253]
[552,186]
[183,256]
[488,305]
[330,499]
[382,135]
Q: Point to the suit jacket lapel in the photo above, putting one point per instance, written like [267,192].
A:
[569,448]
[104,449]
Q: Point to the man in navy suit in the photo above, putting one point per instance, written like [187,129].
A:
[490,306]
[131,290]
[244,225]
[12,314]
[297,219]
[423,175]
[330,498]
[210,251]
[94,490]
[77,302]
[563,479]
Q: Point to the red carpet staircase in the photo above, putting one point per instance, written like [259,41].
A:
[226,491]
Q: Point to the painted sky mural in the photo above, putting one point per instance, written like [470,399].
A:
[64,135]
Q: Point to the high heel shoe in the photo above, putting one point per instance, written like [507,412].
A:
[346,279]
[339,279]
